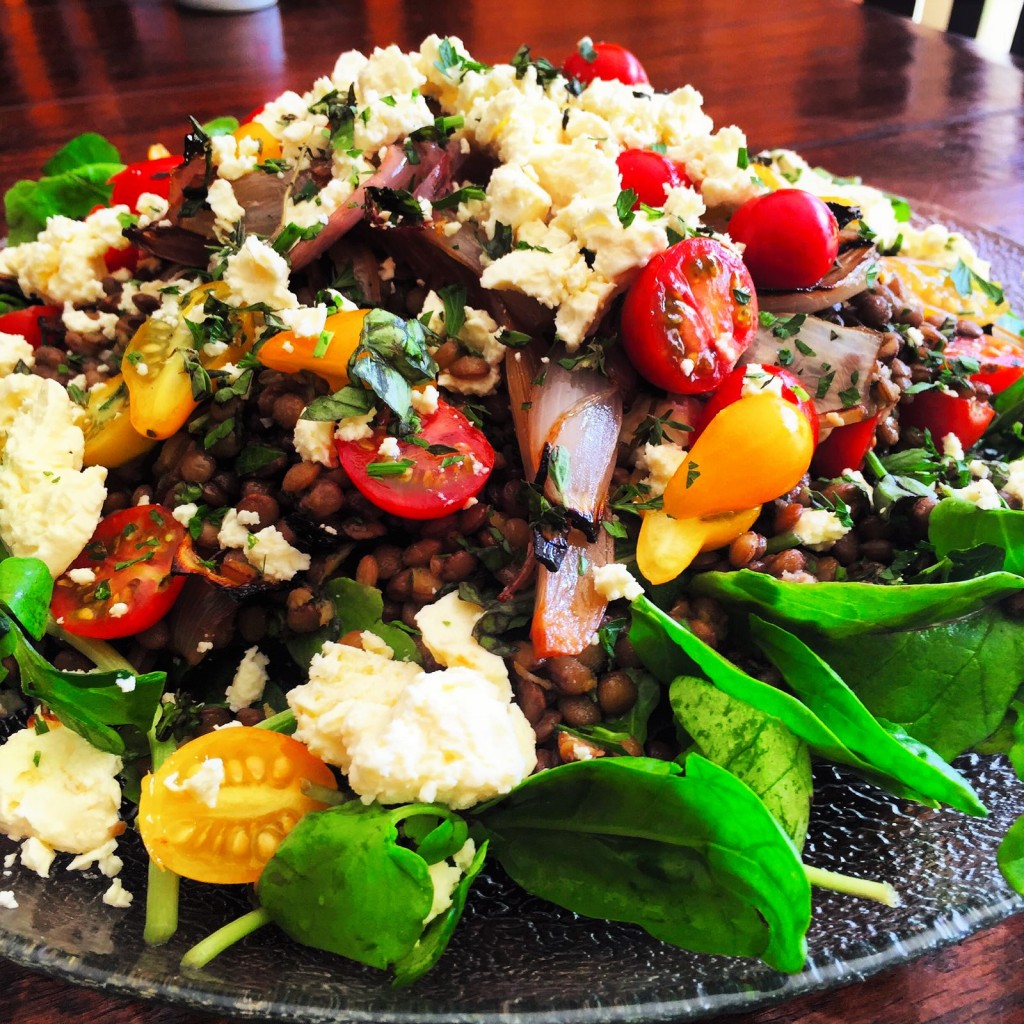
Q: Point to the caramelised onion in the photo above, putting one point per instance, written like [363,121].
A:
[203,614]
[835,364]
[577,410]
[568,608]
[427,177]
[846,279]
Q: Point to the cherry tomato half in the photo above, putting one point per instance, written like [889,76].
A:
[28,322]
[607,61]
[647,173]
[753,378]
[791,238]
[152,176]
[257,797]
[130,556]
[689,316]
[844,448]
[427,480]
[1001,362]
[941,414]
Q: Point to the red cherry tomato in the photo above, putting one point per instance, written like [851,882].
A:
[751,379]
[28,322]
[791,238]
[130,555]
[254,113]
[146,176]
[607,61]
[689,316]
[122,259]
[647,173]
[844,448]
[1001,362]
[941,414]
[422,483]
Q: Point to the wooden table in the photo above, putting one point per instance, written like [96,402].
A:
[856,90]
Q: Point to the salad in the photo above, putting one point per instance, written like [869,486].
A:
[458,464]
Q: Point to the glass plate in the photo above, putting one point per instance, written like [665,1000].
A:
[517,959]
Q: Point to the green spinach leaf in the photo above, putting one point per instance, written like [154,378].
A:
[886,747]
[956,525]
[87,148]
[758,749]
[25,591]
[696,860]
[851,609]
[949,685]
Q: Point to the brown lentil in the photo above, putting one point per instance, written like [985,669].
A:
[579,712]
[571,676]
[323,499]
[745,548]
[616,693]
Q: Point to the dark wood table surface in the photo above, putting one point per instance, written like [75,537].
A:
[854,89]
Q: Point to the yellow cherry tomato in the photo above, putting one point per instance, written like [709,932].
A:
[270,148]
[110,438]
[934,286]
[751,452]
[290,354]
[667,546]
[157,362]
[219,806]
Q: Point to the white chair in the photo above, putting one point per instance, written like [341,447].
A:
[996,24]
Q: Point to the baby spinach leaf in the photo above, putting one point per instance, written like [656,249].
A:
[89,703]
[438,933]
[885,746]
[849,609]
[356,608]
[1010,856]
[949,685]
[87,148]
[956,525]
[75,179]
[25,591]
[342,881]
[661,640]
[758,749]
[696,860]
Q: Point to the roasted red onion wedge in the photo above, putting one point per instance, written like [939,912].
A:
[845,280]
[568,607]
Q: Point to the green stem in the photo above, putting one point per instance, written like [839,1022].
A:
[781,542]
[874,463]
[880,892]
[283,721]
[99,652]
[234,931]
[161,905]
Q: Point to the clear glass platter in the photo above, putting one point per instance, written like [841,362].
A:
[515,959]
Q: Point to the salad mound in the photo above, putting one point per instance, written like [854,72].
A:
[460,463]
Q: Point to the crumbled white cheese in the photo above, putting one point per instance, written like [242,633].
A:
[233,532]
[952,448]
[234,157]
[68,801]
[819,528]
[390,449]
[256,273]
[1014,485]
[14,349]
[314,441]
[104,857]
[118,610]
[249,681]
[8,902]
[660,462]
[82,576]
[126,684]
[117,895]
[981,493]
[445,876]
[184,514]
[203,781]
[42,479]
[615,583]
[447,631]
[37,856]
[227,210]
[424,400]
[375,644]
[401,734]
[355,428]
[306,321]
[269,552]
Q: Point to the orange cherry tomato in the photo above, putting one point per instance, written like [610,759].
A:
[130,556]
[290,354]
[751,452]
[270,148]
[219,806]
